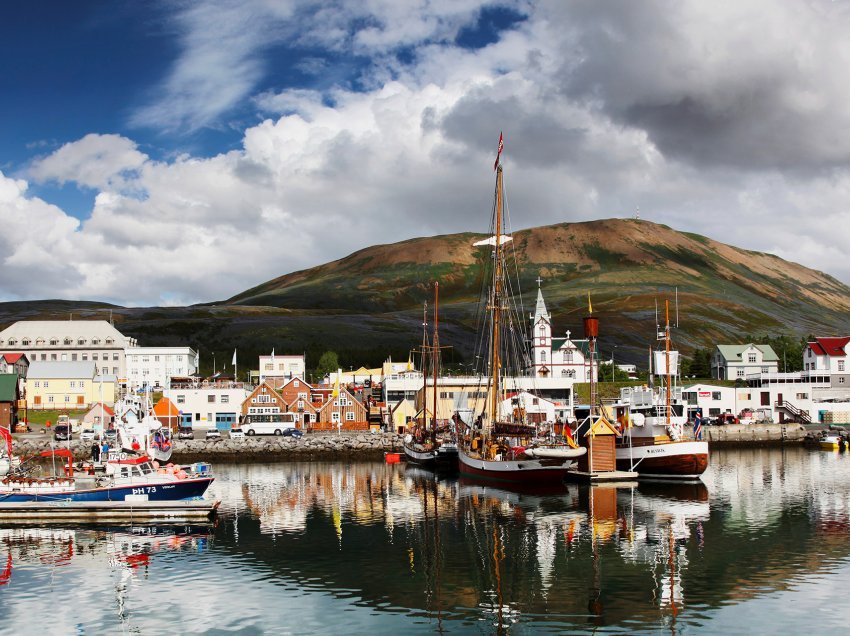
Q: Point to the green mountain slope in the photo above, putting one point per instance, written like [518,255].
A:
[369,304]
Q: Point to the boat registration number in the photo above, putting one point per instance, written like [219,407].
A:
[144,491]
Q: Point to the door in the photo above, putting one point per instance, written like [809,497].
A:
[225,421]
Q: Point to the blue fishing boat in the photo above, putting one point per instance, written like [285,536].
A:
[127,478]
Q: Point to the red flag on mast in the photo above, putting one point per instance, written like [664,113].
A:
[499,152]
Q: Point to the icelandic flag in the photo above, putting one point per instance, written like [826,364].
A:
[698,425]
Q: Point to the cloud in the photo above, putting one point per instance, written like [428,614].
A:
[409,153]
[95,161]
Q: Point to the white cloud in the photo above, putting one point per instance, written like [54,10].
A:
[95,161]
[340,170]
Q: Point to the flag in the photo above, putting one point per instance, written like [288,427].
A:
[698,425]
[272,355]
[234,358]
[410,362]
[336,383]
[589,306]
[499,152]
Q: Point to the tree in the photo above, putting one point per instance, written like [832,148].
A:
[328,363]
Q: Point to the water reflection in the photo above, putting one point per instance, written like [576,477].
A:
[395,548]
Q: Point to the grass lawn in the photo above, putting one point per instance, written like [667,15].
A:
[41,417]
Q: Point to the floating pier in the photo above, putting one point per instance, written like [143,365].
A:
[603,476]
[108,511]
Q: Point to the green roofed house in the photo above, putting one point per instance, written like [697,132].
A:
[732,362]
[9,396]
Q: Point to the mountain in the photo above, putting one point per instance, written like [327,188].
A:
[369,304]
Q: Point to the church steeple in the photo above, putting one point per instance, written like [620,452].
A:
[540,308]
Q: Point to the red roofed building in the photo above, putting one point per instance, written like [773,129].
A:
[17,363]
[829,356]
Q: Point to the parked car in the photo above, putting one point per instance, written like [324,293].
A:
[111,436]
[213,433]
[293,432]
[62,432]
[726,418]
[87,435]
[185,432]
[236,433]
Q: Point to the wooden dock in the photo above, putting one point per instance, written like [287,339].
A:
[601,476]
[108,512]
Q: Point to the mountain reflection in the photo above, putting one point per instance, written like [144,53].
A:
[402,539]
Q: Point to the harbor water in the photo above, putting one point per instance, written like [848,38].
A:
[761,545]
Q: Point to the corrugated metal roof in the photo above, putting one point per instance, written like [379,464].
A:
[734,352]
[829,346]
[64,329]
[57,370]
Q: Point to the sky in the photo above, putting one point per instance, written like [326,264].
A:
[168,153]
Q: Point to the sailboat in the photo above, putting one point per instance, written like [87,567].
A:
[434,445]
[654,443]
[500,443]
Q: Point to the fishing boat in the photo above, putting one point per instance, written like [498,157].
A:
[8,461]
[145,434]
[654,441]
[499,443]
[52,476]
[830,441]
[431,443]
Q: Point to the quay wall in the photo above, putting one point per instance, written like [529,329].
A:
[371,446]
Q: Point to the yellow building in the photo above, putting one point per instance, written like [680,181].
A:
[67,385]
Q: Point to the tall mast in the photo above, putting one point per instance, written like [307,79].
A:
[495,362]
[424,365]
[435,353]
[667,356]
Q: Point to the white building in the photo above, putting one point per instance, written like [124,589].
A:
[732,362]
[558,357]
[209,406]
[829,356]
[154,366]
[69,341]
[285,367]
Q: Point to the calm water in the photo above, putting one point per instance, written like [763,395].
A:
[761,547]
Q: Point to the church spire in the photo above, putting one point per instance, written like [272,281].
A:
[540,309]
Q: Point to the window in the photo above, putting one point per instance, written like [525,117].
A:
[44,356]
[296,384]
[95,341]
[765,369]
[13,341]
[85,357]
[568,355]
[740,373]
[268,367]
[841,380]
[181,399]
[50,398]
[224,399]
[74,357]
[46,384]
[52,356]
[64,356]
[447,395]
[751,357]
[115,357]
[81,341]
[841,365]
[68,342]
[38,385]
[94,357]
[115,370]
[156,358]
[109,341]
[715,395]
[211,398]
[82,384]
[349,416]
[73,384]
[802,396]
[25,342]
[335,417]
[542,356]
[67,398]
[53,341]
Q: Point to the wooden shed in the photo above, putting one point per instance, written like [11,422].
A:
[599,437]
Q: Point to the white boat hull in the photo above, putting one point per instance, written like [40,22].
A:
[532,471]
[665,460]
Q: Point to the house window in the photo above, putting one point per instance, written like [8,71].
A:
[68,342]
[52,356]
[64,356]
[82,385]
[25,342]
[95,341]
[715,395]
[67,398]
[73,384]
[542,356]
[181,399]
[224,399]
[568,356]
[85,357]
[115,370]
[53,341]
[50,398]
[156,358]
[94,357]
[211,398]
[765,369]
[349,416]
[268,367]
[296,384]
[81,341]
[841,380]
[46,384]
[74,357]
[802,396]
[335,417]
[751,357]
[38,385]
[13,341]
[740,373]
[841,365]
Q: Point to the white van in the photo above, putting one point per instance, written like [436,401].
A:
[269,423]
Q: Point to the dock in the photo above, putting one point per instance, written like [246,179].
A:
[108,512]
[605,476]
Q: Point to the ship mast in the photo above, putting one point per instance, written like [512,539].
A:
[496,307]
[667,358]
[424,365]
[435,355]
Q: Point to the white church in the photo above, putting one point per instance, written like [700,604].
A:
[559,357]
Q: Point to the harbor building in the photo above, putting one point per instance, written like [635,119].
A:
[281,367]
[208,405]
[95,341]
[154,367]
[731,362]
[566,358]
[67,385]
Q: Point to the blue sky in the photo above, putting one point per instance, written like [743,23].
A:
[149,141]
